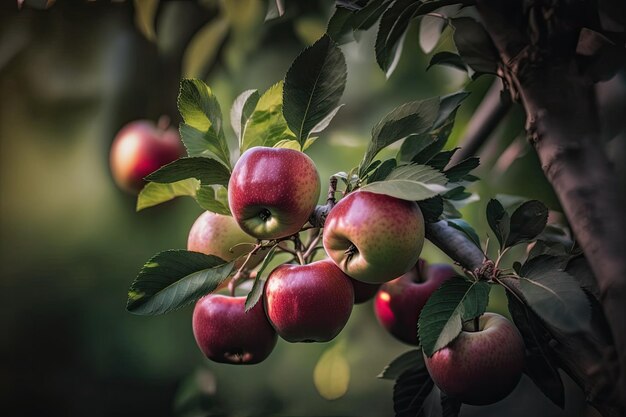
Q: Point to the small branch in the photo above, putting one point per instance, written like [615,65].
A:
[485,120]
[456,245]
[312,246]
[318,218]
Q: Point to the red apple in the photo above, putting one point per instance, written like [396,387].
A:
[219,235]
[374,238]
[273,191]
[363,291]
[141,148]
[226,333]
[308,303]
[480,367]
[399,302]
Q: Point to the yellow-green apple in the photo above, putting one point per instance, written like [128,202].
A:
[480,367]
[140,148]
[220,235]
[399,302]
[308,303]
[226,333]
[273,191]
[363,291]
[374,238]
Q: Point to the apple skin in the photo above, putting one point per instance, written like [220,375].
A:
[483,367]
[215,234]
[362,291]
[139,149]
[225,333]
[273,191]
[308,303]
[388,234]
[399,302]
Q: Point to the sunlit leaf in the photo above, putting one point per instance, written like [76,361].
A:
[207,170]
[332,373]
[154,193]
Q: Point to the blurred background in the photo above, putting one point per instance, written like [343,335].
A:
[71,75]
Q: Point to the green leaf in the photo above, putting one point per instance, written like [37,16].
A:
[447,59]
[527,221]
[412,359]
[441,319]
[241,111]
[323,124]
[154,193]
[458,193]
[555,295]
[466,228]
[214,199]
[393,26]
[256,292]
[405,189]
[366,17]
[339,26]
[438,141]
[474,45]
[207,170]
[442,159]
[202,133]
[173,279]
[498,220]
[294,144]
[267,126]
[459,171]
[432,208]
[408,119]
[331,375]
[448,107]
[419,173]
[430,31]
[275,9]
[145,14]
[410,392]
[382,171]
[314,85]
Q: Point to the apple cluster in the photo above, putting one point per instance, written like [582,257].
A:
[372,241]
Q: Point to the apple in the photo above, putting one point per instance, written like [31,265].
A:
[308,303]
[374,238]
[273,191]
[220,235]
[226,333]
[141,148]
[363,291]
[480,367]
[399,302]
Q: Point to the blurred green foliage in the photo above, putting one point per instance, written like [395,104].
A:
[71,242]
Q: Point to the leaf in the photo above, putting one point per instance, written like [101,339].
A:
[459,171]
[313,87]
[538,363]
[555,295]
[393,25]
[527,221]
[154,193]
[442,159]
[466,228]
[275,9]
[430,31]
[438,141]
[323,124]
[447,108]
[202,133]
[339,26]
[366,17]
[458,193]
[441,319]
[383,170]
[405,189]
[331,374]
[498,220]
[474,45]
[259,282]
[241,111]
[408,119]
[432,208]
[410,392]
[213,200]
[173,279]
[294,144]
[447,59]
[411,360]
[267,126]
[207,170]
[203,48]
[450,407]
[145,14]
[419,173]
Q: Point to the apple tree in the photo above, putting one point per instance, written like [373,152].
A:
[565,291]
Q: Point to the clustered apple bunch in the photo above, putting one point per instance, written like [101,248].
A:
[367,244]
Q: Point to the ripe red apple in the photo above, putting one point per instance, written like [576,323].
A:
[273,191]
[363,291]
[141,148]
[308,303]
[399,302]
[374,238]
[480,367]
[216,234]
[226,333]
